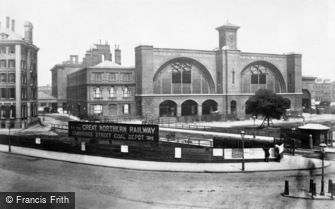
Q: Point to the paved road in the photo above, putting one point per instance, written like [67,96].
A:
[102,187]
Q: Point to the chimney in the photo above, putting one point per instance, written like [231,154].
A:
[28,32]
[74,59]
[13,25]
[7,22]
[117,55]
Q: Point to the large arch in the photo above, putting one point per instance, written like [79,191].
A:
[168,108]
[189,107]
[200,81]
[209,106]
[262,74]
[233,107]
[306,100]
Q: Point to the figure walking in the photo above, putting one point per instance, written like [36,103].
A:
[267,153]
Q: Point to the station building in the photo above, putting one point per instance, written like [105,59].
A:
[18,76]
[102,91]
[95,55]
[186,82]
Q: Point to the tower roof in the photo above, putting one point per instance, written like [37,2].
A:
[228,25]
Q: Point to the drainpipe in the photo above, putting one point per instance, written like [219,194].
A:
[226,63]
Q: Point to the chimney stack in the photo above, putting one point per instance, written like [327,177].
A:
[7,22]
[28,32]
[117,55]
[13,25]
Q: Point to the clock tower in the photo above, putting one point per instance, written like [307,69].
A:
[228,36]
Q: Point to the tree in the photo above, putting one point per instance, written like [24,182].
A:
[268,104]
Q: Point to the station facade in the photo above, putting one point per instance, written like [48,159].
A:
[186,82]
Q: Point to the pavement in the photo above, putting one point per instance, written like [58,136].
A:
[288,163]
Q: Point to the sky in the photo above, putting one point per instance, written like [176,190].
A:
[64,27]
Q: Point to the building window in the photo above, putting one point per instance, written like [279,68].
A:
[126,92]
[97,109]
[97,93]
[3,63]
[3,112]
[126,76]
[176,76]
[3,50]
[112,76]
[11,78]
[3,93]
[24,79]
[3,77]
[11,63]
[12,50]
[259,78]
[11,92]
[23,93]
[23,65]
[126,109]
[97,76]
[112,92]
[181,72]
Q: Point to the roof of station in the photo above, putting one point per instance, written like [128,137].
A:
[313,126]
[109,64]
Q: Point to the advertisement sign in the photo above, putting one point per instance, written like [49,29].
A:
[114,131]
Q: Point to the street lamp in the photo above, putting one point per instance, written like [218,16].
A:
[322,145]
[254,118]
[242,137]
[9,145]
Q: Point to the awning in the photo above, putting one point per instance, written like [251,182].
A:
[313,126]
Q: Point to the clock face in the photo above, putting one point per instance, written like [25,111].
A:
[231,37]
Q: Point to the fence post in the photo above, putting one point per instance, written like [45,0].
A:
[311,186]
[286,192]
[330,184]
[314,190]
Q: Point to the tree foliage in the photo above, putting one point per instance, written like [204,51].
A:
[268,104]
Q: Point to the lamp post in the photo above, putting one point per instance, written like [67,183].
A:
[254,118]
[322,145]
[242,137]
[9,144]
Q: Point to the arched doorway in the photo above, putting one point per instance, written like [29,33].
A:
[306,100]
[233,107]
[189,107]
[209,107]
[168,108]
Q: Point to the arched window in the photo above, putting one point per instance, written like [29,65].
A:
[168,108]
[112,92]
[126,92]
[233,107]
[189,107]
[209,107]
[262,75]
[97,93]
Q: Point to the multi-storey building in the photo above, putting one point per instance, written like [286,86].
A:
[92,57]
[104,91]
[18,76]
[186,82]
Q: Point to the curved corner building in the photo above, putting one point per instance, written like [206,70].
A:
[18,76]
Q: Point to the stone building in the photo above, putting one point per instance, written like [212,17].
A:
[93,56]
[102,91]
[18,76]
[308,90]
[187,82]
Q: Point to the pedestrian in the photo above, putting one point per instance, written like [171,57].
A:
[293,147]
[277,153]
[267,153]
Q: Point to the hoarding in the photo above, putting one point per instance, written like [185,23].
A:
[114,131]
